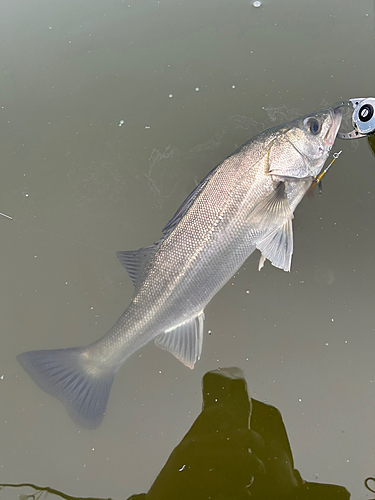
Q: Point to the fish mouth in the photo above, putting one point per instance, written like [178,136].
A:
[336,117]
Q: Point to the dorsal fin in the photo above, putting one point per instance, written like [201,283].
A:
[136,262]
[187,204]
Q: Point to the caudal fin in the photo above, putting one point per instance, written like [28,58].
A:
[64,374]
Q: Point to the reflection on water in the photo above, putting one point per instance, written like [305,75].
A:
[79,188]
[237,448]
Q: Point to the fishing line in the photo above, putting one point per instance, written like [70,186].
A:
[7,216]
[318,180]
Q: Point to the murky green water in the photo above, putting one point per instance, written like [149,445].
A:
[110,114]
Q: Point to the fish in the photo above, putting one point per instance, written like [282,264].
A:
[245,203]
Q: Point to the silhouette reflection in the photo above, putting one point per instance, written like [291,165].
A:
[236,449]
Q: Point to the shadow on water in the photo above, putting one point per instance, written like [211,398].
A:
[237,448]
[371,141]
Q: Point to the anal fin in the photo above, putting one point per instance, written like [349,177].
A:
[184,341]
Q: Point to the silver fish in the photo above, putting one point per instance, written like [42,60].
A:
[245,203]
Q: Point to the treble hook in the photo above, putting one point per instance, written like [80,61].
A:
[317,181]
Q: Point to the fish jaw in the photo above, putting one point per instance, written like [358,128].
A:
[336,116]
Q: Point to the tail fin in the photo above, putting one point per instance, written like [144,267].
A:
[62,373]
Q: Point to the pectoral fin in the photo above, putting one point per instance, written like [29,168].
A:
[273,211]
[184,341]
[273,217]
[277,247]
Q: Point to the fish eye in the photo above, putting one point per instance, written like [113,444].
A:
[313,126]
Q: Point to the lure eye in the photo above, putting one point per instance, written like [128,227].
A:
[312,125]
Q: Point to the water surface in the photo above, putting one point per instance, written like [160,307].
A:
[110,114]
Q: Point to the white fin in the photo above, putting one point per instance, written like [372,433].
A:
[273,211]
[277,247]
[170,226]
[184,341]
[65,374]
[262,260]
[136,262]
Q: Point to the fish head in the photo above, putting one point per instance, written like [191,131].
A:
[303,145]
